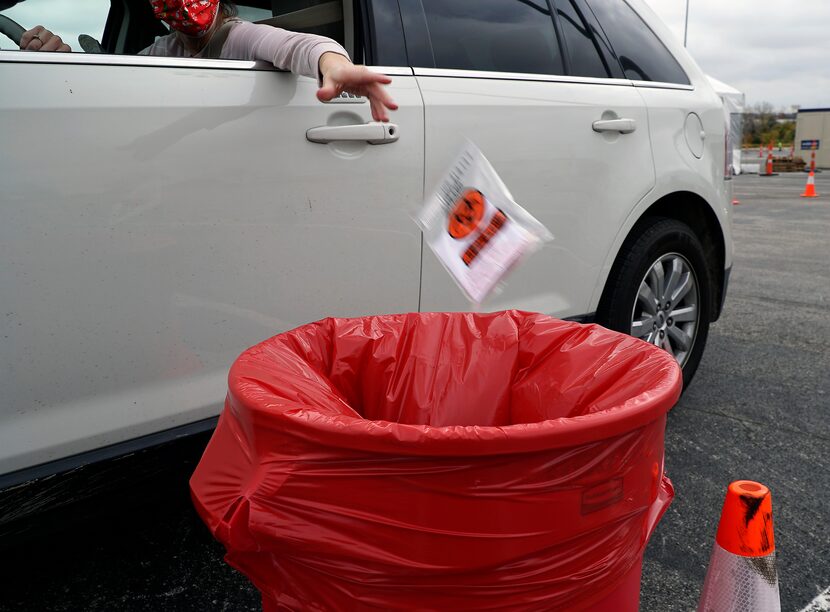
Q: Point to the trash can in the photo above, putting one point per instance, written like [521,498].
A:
[441,461]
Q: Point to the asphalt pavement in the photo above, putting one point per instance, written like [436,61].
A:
[757,409]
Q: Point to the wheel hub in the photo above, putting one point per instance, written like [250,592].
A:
[666,310]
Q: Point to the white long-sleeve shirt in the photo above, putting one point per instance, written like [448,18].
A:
[295,51]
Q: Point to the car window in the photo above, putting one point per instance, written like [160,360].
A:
[584,55]
[642,56]
[63,17]
[493,35]
[135,28]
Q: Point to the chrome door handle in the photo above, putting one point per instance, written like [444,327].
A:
[623,126]
[373,133]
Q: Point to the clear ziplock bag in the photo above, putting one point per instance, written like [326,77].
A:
[475,227]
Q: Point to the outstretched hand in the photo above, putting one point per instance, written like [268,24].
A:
[339,75]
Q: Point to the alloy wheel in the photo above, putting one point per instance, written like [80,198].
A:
[666,310]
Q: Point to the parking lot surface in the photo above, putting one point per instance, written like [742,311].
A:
[757,409]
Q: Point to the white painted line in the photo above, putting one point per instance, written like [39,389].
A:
[820,603]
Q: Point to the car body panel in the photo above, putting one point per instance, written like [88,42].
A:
[678,171]
[537,132]
[149,238]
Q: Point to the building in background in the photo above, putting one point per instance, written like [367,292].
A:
[812,133]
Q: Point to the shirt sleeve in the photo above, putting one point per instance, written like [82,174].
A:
[165,46]
[295,51]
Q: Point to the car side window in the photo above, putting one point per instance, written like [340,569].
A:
[128,27]
[493,35]
[642,56]
[63,17]
[584,56]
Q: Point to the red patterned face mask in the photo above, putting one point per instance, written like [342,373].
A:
[191,17]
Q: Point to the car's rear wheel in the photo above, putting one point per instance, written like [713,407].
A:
[660,291]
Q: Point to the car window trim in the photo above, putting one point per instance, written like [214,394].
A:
[371,35]
[417,39]
[661,85]
[159,61]
[559,35]
[519,76]
[608,62]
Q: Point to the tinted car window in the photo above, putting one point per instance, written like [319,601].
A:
[584,56]
[642,55]
[497,35]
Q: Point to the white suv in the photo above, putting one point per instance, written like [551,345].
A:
[160,215]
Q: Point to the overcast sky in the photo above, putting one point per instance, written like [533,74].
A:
[778,52]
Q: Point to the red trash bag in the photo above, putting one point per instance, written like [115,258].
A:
[441,461]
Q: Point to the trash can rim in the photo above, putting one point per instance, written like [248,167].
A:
[384,436]
[389,437]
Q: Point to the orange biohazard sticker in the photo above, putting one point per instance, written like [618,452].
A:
[467,213]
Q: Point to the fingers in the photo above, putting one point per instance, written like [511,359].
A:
[29,38]
[360,81]
[380,101]
[383,96]
[41,39]
[378,111]
[374,77]
[54,44]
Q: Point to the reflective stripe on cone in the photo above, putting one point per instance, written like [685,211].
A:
[740,584]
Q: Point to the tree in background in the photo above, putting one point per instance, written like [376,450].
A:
[763,124]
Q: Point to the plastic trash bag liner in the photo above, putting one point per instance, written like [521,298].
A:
[440,461]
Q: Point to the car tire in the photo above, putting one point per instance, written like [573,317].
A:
[661,262]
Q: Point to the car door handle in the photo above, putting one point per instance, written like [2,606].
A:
[373,133]
[623,126]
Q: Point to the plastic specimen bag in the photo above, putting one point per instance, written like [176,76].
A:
[474,226]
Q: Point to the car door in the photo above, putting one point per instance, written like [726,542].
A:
[535,89]
[160,215]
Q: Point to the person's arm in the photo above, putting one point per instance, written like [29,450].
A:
[310,55]
[41,39]
[295,51]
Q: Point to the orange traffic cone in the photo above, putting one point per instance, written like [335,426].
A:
[742,572]
[810,189]
[769,171]
[813,161]
[761,151]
